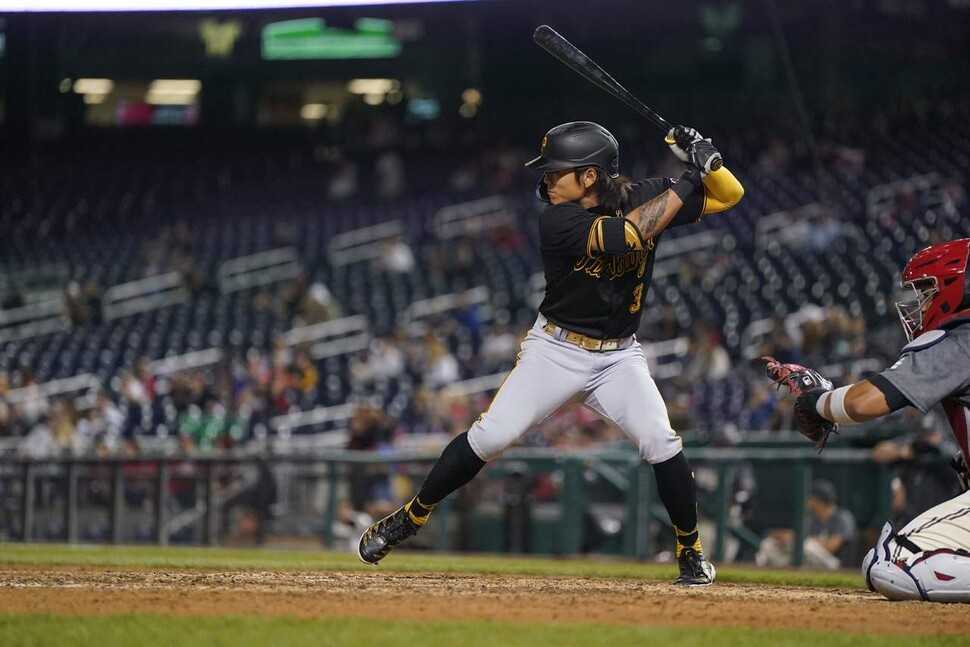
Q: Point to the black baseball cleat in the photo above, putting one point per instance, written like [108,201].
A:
[694,569]
[378,540]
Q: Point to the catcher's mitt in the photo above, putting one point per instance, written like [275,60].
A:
[807,386]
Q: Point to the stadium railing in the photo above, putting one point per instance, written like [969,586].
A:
[24,479]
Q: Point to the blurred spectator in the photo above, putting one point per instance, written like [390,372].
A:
[292,295]
[440,366]
[824,232]
[136,399]
[39,442]
[469,316]
[255,500]
[829,539]
[112,418]
[370,430]
[708,358]
[397,257]
[8,422]
[423,414]
[32,406]
[920,482]
[308,375]
[742,487]
[390,175]
[61,425]
[508,238]
[763,410]
[206,427]
[75,305]
[362,368]
[775,159]
[499,348]
[665,327]
[317,306]
[387,360]
[782,346]
[343,181]
[144,376]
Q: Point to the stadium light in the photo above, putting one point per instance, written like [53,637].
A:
[175,86]
[314,111]
[373,86]
[93,86]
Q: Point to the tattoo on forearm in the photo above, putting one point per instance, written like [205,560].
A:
[650,213]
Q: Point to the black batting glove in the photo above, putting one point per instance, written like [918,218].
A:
[680,138]
[705,156]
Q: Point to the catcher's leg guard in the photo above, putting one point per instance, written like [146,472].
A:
[881,553]
[941,575]
[892,580]
[944,575]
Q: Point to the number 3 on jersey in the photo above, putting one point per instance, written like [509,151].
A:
[637,297]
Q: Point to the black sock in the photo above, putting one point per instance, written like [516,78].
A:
[675,485]
[457,465]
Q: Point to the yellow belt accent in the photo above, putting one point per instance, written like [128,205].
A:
[584,342]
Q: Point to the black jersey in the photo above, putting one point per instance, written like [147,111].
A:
[593,293]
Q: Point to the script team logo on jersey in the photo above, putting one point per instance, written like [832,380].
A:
[614,266]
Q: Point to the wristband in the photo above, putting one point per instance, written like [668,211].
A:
[836,401]
[687,184]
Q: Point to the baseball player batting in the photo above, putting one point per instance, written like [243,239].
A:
[598,239]
[928,559]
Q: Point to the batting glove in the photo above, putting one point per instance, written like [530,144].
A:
[680,139]
[704,156]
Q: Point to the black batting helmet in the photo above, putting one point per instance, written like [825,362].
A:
[578,143]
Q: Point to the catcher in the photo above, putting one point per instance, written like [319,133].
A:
[929,558]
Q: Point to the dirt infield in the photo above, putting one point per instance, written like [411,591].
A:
[463,597]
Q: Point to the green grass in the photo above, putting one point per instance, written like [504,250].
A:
[19,630]
[400,562]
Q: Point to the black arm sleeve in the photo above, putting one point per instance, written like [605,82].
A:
[894,398]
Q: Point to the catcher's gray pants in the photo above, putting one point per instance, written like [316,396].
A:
[616,384]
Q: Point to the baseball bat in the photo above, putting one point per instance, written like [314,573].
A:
[548,39]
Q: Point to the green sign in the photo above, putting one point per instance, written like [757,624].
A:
[310,38]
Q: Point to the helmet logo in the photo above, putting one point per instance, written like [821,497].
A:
[545,140]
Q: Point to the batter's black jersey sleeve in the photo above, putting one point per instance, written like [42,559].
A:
[598,294]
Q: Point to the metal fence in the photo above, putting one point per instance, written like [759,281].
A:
[185,499]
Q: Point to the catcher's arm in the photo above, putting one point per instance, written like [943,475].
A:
[862,401]
[820,409]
